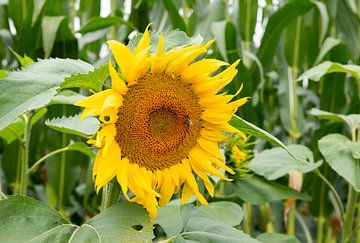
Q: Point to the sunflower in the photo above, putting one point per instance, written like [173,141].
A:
[161,121]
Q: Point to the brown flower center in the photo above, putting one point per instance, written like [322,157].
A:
[159,121]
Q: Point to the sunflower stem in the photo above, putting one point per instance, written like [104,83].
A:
[25,154]
[350,207]
[248,214]
[111,193]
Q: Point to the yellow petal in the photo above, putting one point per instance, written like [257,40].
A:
[122,175]
[116,82]
[167,188]
[144,42]
[122,54]
[203,67]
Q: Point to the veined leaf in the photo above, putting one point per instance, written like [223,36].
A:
[257,190]
[124,222]
[67,97]
[340,153]
[317,72]
[251,129]
[72,125]
[34,86]
[94,80]
[276,162]
[199,227]
[352,120]
[81,147]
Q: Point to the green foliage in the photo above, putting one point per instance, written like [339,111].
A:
[34,86]
[73,125]
[342,155]
[93,80]
[40,223]
[275,163]
[299,61]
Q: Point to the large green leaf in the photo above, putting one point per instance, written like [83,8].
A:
[34,86]
[73,125]
[340,153]
[257,190]
[93,80]
[317,72]
[181,221]
[200,228]
[352,120]
[253,130]
[67,97]
[227,212]
[276,162]
[124,222]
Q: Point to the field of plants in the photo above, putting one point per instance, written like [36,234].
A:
[180,121]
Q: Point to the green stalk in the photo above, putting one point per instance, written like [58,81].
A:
[248,211]
[349,216]
[110,196]
[350,206]
[62,171]
[25,154]
[293,113]
[357,229]
[45,157]
[321,218]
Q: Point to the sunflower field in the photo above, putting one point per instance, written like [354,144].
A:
[180,121]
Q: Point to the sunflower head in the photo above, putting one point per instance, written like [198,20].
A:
[162,121]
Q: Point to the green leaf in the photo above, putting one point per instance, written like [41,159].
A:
[38,6]
[257,190]
[33,218]
[171,225]
[50,26]
[24,61]
[34,86]
[326,47]
[352,120]
[3,74]
[276,162]
[173,11]
[67,97]
[277,238]
[97,22]
[317,72]
[227,212]
[277,22]
[338,152]
[253,130]
[72,125]
[16,129]
[93,80]
[124,222]
[200,228]
[81,147]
